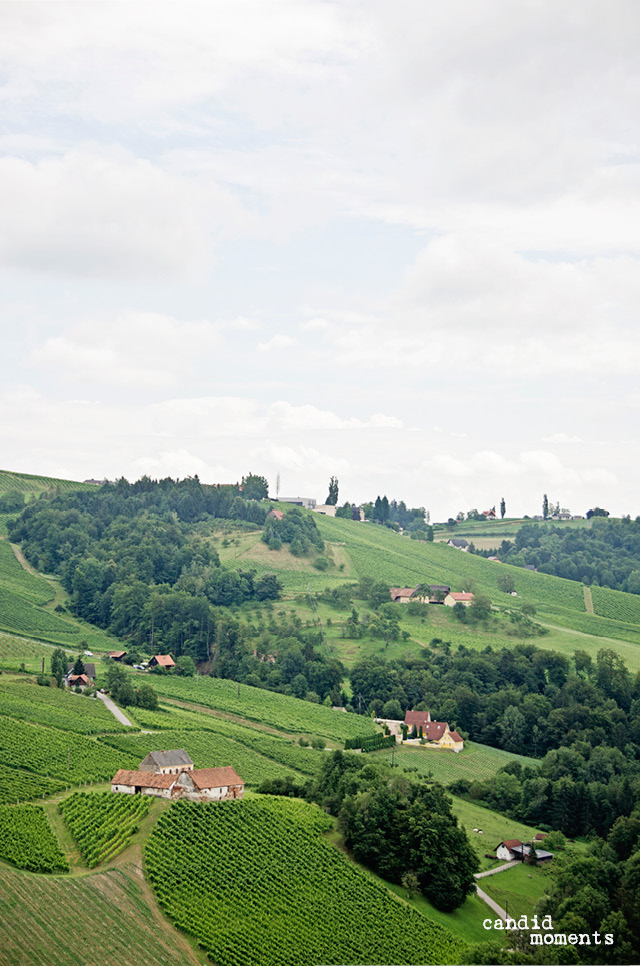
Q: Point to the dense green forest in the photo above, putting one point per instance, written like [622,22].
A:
[138,560]
[605,553]
[581,718]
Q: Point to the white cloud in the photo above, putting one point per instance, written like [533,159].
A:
[99,212]
[136,349]
[562,438]
[289,418]
[276,343]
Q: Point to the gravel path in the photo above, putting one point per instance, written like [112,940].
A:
[115,711]
[492,905]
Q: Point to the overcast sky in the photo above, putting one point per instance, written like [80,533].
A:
[394,242]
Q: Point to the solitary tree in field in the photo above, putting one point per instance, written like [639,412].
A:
[503,508]
[411,883]
[545,506]
[332,499]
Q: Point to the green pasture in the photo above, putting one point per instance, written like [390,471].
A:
[520,888]
[495,827]
[475,762]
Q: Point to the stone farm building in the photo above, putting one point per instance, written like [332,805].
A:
[197,784]
[437,734]
[167,762]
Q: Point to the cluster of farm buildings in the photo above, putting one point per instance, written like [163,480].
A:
[418,728]
[432,594]
[171,774]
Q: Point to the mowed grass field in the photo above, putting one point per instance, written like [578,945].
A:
[520,888]
[105,918]
[474,762]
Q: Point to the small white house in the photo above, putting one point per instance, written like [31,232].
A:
[505,850]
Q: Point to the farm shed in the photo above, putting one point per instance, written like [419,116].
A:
[402,594]
[459,543]
[162,660]
[453,598]
[143,783]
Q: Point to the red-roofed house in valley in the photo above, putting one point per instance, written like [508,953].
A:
[117,655]
[435,733]
[275,514]
[162,660]
[453,598]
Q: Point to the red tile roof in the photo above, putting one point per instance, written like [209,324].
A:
[463,595]
[79,679]
[215,777]
[455,736]
[539,836]
[416,718]
[510,844]
[278,514]
[164,660]
[146,779]
[435,730]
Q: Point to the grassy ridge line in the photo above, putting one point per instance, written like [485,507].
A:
[27,483]
[384,555]
[268,707]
